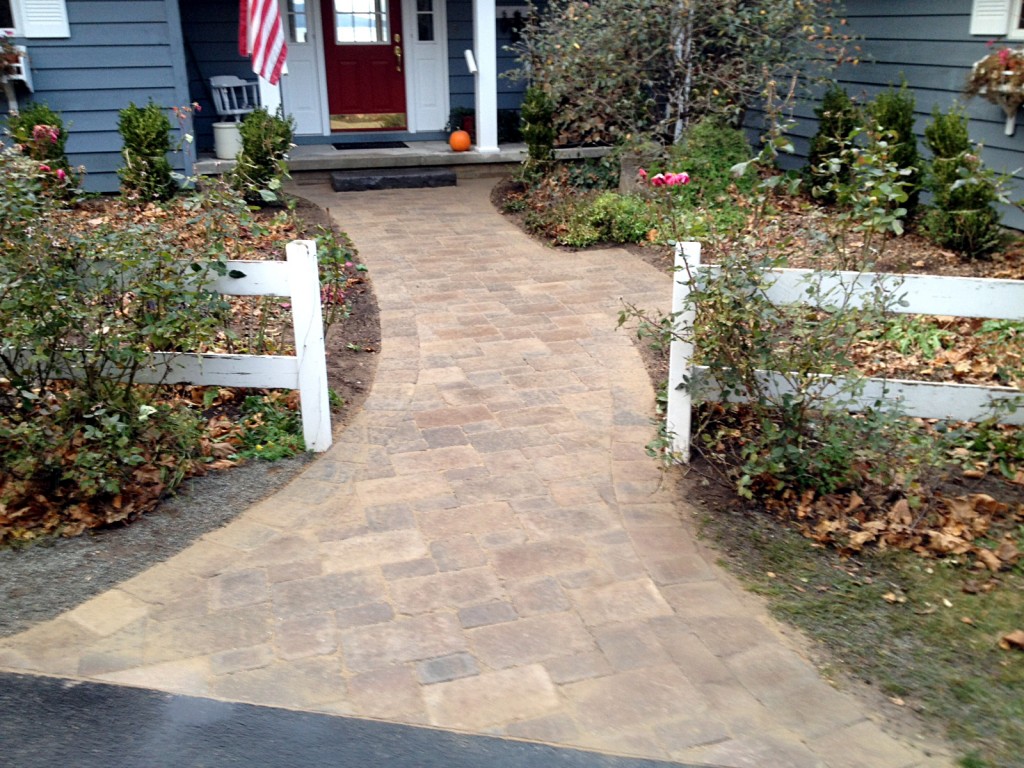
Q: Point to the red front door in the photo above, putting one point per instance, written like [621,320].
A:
[365,68]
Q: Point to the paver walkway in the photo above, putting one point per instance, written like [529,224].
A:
[486,548]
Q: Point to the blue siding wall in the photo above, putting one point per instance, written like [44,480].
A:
[460,37]
[211,49]
[119,51]
[927,42]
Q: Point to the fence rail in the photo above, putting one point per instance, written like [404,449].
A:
[920,294]
[297,278]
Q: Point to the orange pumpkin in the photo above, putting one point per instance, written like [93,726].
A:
[459,141]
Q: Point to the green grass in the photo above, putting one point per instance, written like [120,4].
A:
[918,648]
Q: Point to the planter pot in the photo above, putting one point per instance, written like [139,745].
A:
[227,141]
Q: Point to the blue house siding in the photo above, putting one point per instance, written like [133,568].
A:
[927,42]
[211,49]
[119,51]
[461,83]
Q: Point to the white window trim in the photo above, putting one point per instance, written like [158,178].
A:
[39,19]
[1014,32]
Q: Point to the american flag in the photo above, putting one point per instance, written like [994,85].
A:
[261,37]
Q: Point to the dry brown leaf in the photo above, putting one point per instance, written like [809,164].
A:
[901,513]
[860,538]
[989,559]
[1007,552]
[946,544]
[986,505]
[1013,640]
[855,502]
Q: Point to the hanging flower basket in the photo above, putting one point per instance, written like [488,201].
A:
[999,78]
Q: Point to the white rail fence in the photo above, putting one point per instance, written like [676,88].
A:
[306,371]
[920,294]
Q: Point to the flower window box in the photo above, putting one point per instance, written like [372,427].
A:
[999,79]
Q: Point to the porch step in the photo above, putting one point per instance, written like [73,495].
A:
[391,178]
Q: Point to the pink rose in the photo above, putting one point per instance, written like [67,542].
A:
[61,174]
[44,168]
[658,180]
[642,174]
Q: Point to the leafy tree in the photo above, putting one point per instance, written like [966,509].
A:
[618,68]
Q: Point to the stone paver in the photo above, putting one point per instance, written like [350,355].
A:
[487,547]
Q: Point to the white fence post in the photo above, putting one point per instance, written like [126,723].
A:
[309,344]
[677,415]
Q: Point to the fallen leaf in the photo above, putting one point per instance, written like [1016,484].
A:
[1007,552]
[855,502]
[989,559]
[901,513]
[1013,640]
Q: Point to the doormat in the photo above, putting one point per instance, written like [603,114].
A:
[373,145]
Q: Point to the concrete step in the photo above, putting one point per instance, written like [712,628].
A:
[392,178]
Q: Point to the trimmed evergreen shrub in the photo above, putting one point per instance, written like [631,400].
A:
[146,175]
[837,119]
[260,166]
[538,125]
[893,111]
[963,217]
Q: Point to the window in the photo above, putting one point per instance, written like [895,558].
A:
[361,21]
[425,20]
[998,18]
[7,25]
[34,18]
[298,28]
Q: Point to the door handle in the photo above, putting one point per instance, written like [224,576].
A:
[398,58]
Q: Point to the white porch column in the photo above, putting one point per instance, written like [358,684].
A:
[486,44]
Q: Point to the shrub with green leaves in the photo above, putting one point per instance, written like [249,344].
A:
[39,133]
[710,149]
[800,435]
[260,166]
[22,128]
[837,119]
[537,120]
[81,312]
[892,111]
[146,175]
[963,217]
[621,68]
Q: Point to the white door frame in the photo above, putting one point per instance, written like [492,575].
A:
[411,67]
[414,97]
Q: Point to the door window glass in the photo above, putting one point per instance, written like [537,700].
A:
[425,20]
[361,21]
[297,22]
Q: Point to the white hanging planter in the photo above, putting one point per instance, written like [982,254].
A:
[1009,94]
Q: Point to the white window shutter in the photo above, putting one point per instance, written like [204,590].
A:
[990,17]
[45,18]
